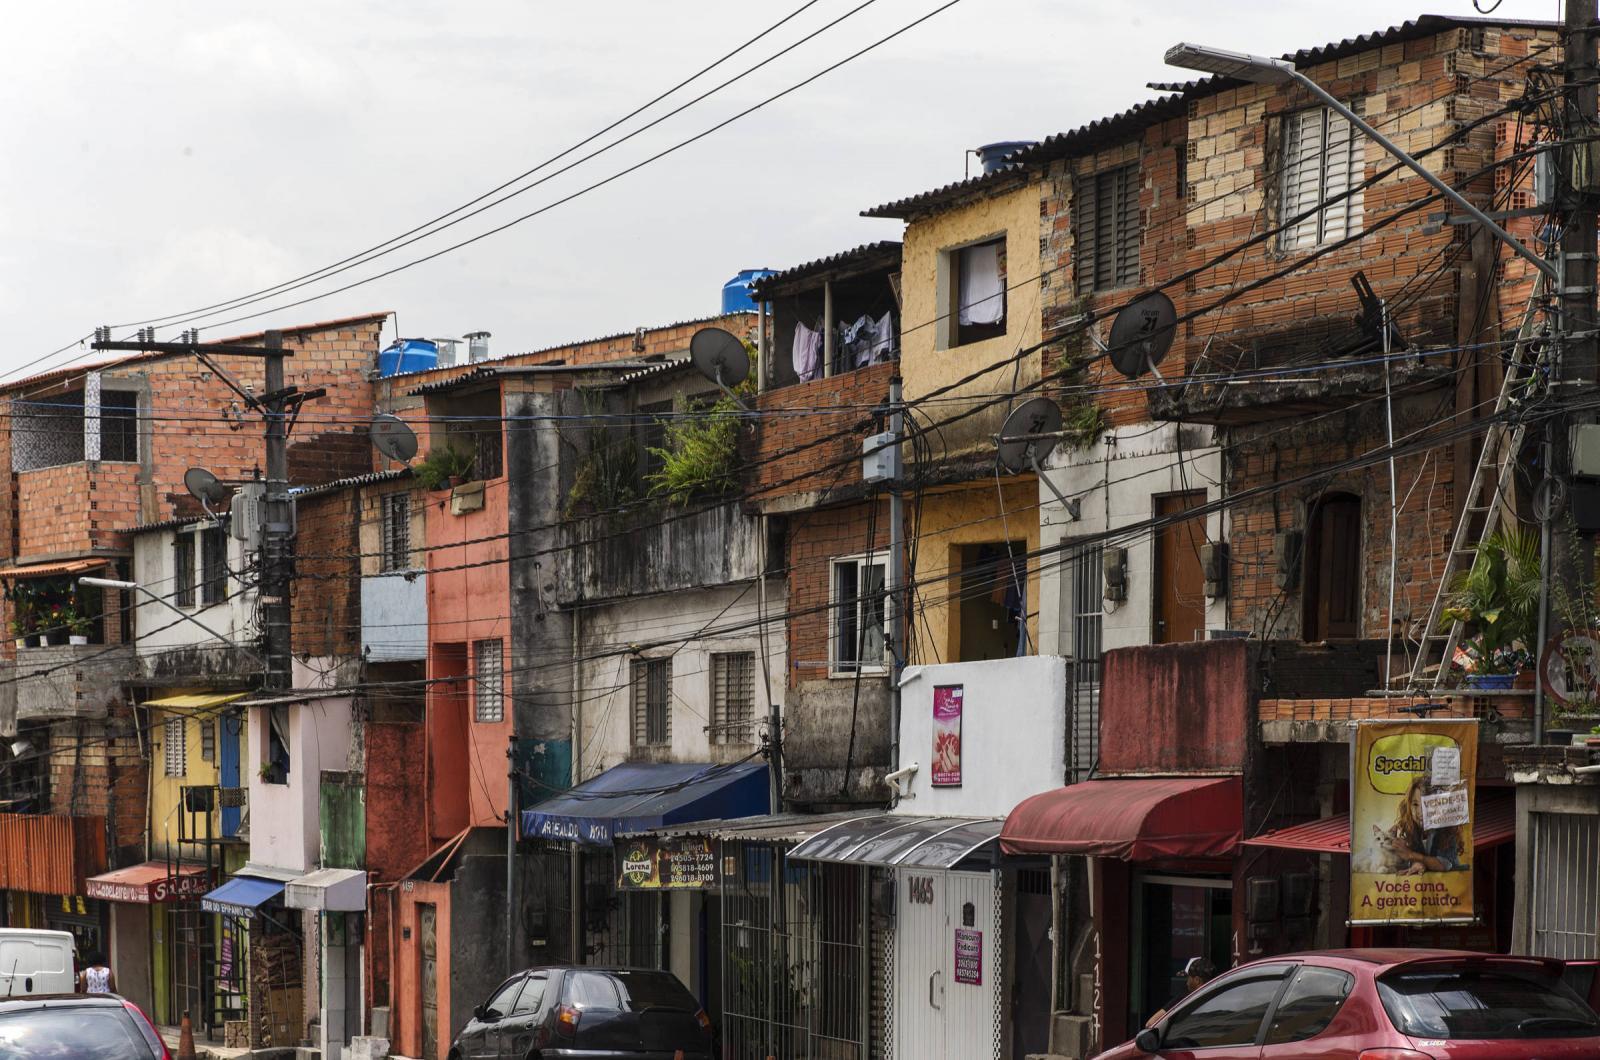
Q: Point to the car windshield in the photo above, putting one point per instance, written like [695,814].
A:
[1485,1002]
[644,990]
[79,1032]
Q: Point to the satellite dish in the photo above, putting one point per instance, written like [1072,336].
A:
[720,357]
[1142,334]
[1021,448]
[1018,452]
[206,488]
[392,438]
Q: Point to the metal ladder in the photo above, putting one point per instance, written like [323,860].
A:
[1498,459]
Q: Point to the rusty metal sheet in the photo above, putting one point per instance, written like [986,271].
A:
[48,854]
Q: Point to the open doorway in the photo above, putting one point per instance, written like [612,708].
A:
[991,611]
[1176,918]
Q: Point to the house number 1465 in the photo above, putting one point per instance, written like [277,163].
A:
[920,890]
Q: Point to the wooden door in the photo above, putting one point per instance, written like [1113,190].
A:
[428,952]
[1333,569]
[1179,592]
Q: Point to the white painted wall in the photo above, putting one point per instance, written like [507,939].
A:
[1116,485]
[284,829]
[1013,734]
[153,569]
[607,699]
[394,616]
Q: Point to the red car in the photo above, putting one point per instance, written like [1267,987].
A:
[1378,1005]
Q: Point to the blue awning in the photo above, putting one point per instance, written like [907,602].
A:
[241,896]
[638,796]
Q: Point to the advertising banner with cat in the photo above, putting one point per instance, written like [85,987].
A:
[1411,814]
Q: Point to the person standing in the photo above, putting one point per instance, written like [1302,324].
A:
[97,976]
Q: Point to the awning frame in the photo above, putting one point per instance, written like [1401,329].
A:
[889,825]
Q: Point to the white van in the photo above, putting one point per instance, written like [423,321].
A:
[36,962]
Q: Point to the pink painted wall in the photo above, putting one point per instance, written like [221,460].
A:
[407,1012]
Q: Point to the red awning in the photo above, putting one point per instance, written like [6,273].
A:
[1496,823]
[153,883]
[1134,819]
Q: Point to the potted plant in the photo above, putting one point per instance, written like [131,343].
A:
[1498,600]
[79,626]
[445,465]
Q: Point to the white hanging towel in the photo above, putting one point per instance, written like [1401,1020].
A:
[982,295]
[883,339]
[807,353]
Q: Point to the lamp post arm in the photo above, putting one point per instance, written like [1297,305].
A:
[1420,170]
[110,584]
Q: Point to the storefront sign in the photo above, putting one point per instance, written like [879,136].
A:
[150,892]
[969,956]
[680,863]
[1411,808]
[947,736]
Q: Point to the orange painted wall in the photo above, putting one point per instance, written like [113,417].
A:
[407,1014]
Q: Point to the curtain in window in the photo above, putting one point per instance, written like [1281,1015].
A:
[982,296]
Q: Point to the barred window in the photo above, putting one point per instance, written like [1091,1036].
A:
[652,711]
[208,740]
[397,531]
[733,696]
[183,570]
[1322,158]
[488,699]
[1106,222]
[175,746]
[213,565]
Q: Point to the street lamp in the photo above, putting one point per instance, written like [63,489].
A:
[111,583]
[1260,70]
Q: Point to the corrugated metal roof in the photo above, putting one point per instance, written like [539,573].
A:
[369,479]
[485,372]
[56,374]
[771,828]
[194,700]
[867,256]
[1494,823]
[50,853]
[1413,29]
[659,368]
[1086,138]
[48,570]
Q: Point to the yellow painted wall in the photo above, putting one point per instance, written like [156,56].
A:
[165,792]
[927,361]
[969,515]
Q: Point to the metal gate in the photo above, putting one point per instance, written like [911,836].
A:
[795,959]
[948,962]
[428,952]
[1565,890]
[621,928]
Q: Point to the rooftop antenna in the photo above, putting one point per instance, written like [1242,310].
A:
[720,357]
[1030,434]
[206,488]
[1141,335]
[392,437]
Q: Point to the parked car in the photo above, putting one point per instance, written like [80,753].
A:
[80,1026]
[551,1012]
[36,961]
[1378,1005]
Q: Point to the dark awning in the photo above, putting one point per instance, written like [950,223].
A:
[1134,819]
[900,839]
[637,796]
[1494,823]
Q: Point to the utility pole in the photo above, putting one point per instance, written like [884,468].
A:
[1576,344]
[277,527]
[896,575]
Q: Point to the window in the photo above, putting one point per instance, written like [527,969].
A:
[1106,230]
[978,275]
[504,999]
[175,746]
[1322,158]
[652,712]
[119,425]
[213,565]
[1229,1016]
[488,682]
[397,531]
[208,740]
[532,994]
[859,627]
[1565,902]
[733,696]
[992,603]
[592,990]
[1084,601]
[1309,1005]
[183,570]
[1485,1002]
[275,770]
[1332,605]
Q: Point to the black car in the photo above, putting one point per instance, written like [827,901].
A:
[610,1013]
[82,1026]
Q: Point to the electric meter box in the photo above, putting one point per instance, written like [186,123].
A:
[880,458]
[1586,450]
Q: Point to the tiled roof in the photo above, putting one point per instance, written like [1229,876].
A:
[368,479]
[483,372]
[659,368]
[867,256]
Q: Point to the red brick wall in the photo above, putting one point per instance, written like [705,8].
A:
[325,599]
[96,769]
[815,537]
[783,450]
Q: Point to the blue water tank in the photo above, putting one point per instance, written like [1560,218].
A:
[992,155]
[736,292]
[407,355]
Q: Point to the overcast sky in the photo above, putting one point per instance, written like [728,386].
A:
[162,157]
